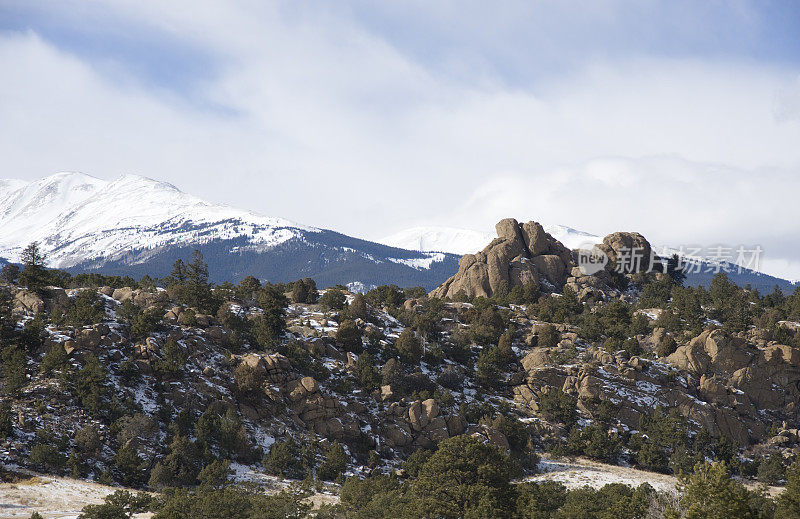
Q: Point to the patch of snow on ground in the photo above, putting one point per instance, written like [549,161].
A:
[52,497]
[581,472]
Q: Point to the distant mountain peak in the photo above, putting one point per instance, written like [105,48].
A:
[137,225]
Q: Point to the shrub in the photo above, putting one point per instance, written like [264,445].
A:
[47,457]
[366,372]
[409,346]
[555,405]
[55,359]
[711,492]
[489,366]
[249,380]
[334,464]
[284,460]
[6,426]
[450,378]
[771,469]
[179,468]
[348,337]
[172,360]
[333,299]
[789,500]
[304,291]
[666,346]
[131,468]
[9,273]
[119,505]
[216,474]
[547,336]
[269,325]
[463,466]
[357,309]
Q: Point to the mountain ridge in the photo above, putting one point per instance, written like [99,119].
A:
[135,225]
[88,224]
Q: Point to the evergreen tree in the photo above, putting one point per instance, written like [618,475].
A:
[248,287]
[333,299]
[196,289]
[335,463]
[357,309]
[270,324]
[409,345]
[179,468]
[299,292]
[34,274]
[710,493]
[675,270]
[789,500]
[465,477]
[348,337]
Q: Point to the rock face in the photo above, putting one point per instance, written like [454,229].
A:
[521,255]
[732,372]
[527,256]
[717,381]
[629,250]
[419,424]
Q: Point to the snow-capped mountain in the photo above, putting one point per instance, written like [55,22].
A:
[468,241]
[138,225]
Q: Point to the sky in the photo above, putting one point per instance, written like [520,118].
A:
[677,119]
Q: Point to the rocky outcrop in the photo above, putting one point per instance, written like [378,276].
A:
[419,424]
[525,255]
[28,302]
[322,413]
[628,251]
[140,297]
[726,387]
[522,255]
[733,372]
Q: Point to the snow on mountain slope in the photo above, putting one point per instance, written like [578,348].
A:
[572,238]
[24,210]
[7,185]
[439,239]
[467,241]
[78,218]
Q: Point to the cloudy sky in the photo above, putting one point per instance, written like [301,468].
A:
[678,119]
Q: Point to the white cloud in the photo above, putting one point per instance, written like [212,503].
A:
[309,115]
[673,202]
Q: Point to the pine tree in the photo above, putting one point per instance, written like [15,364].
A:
[409,345]
[198,289]
[299,292]
[789,500]
[34,274]
[711,493]
[357,307]
[335,463]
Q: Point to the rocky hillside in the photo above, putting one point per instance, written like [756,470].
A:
[154,386]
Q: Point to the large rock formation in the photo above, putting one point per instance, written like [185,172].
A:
[731,370]
[527,256]
[521,255]
[629,252]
